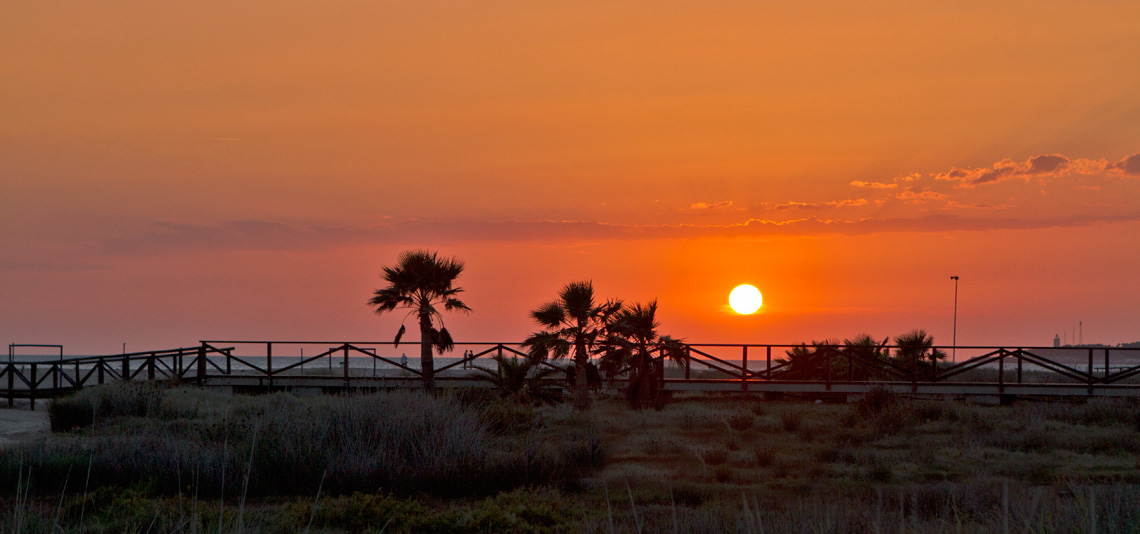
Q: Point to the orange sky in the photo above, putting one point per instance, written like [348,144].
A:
[180,171]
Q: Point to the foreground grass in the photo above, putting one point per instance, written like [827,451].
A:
[703,464]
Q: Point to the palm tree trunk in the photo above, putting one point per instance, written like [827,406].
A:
[427,364]
[581,385]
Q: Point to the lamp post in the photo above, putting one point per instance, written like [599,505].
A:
[954,342]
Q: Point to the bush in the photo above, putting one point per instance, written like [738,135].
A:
[791,420]
[69,413]
[875,402]
[741,421]
[120,399]
[764,456]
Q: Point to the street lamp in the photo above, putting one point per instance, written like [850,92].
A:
[954,342]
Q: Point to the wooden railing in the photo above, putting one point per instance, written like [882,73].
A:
[760,367]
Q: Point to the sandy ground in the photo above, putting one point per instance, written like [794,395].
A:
[21,424]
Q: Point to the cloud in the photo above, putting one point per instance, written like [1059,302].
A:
[1046,165]
[855,202]
[172,238]
[916,197]
[873,185]
[1129,165]
[698,206]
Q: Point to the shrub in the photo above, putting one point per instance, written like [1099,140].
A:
[764,456]
[791,420]
[68,413]
[714,456]
[740,421]
[875,402]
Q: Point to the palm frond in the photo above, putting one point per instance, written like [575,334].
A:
[399,335]
[578,299]
[549,315]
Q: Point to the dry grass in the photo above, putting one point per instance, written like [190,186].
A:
[708,464]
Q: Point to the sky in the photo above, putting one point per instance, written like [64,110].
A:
[180,171]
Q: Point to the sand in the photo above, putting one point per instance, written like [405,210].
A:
[20,424]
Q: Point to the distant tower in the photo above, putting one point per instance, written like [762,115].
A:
[1056,340]
[1082,326]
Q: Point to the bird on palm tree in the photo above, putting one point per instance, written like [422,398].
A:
[631,340]
[422,282]
[574,321]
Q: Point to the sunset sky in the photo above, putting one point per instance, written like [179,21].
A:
[178,171]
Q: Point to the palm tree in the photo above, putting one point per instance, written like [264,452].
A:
[631,340]
[521,380]
[912,352]
[572,321]
[421,282]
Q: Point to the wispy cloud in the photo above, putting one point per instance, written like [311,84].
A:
[1050,190]
[874,185]
[704,206]
[847,203]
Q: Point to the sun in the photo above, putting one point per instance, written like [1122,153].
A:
[745,299]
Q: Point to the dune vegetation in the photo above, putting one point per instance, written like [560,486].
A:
[134,458]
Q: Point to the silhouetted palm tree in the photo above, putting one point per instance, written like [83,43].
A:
[912,352]
[420,282]
[522,380]
[574,321]
[631,340]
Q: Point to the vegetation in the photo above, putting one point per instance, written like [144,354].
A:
[521,380]
[421,282]
[863,358]
[704,463]
[630,341]
[573,321]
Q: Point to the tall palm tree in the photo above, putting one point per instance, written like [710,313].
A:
[631,340]
[420,282]
[574,321]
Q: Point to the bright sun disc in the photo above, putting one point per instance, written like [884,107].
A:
[745,299]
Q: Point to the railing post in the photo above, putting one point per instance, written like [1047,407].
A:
[346,379]
[827,362]
[1106,367]
[126,367]
[1091,376]
[55,370]
[1001,372]
[769,368]
[32,390]
[914,374]
[150,367]
[78,381]
[269,362]
[99,365]
[688,360]
[744,368]
[201,378]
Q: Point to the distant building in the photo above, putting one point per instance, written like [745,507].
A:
[1056,340]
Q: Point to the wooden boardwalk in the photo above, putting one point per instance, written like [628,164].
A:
[820,370]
